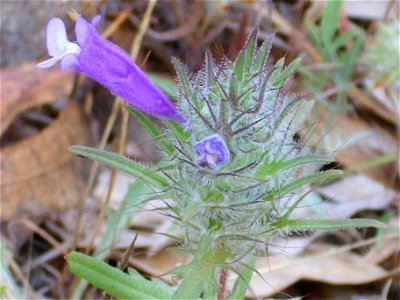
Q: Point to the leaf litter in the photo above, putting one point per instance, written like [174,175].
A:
[314,257]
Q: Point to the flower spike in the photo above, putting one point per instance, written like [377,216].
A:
[106,63]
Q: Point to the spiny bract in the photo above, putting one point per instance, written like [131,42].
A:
[237,204]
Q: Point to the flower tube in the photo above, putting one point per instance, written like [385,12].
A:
[106,63]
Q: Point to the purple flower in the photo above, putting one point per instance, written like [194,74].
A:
[106,63]
[211,152]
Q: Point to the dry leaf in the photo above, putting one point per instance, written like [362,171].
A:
[356,142]
[388,98]
[39,174]
[356,193]
[153,223]
[160,263]
[24,87]
[323,263]
[370,10]
[346,197]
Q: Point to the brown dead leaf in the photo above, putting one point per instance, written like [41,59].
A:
[160,263]
[25,86]
[387,97]
[348,196]
[39,174]
[371,10]
[367,10]
[322,263]
[356,142]
[386,248]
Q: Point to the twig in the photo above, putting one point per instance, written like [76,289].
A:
[52,241]
[125,259]
[223,276]
[106,134]
[178,33]
[125,117]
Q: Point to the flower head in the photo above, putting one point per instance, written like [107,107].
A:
[211,152]
[106,63]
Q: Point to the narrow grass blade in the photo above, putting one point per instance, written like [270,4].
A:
[121,163]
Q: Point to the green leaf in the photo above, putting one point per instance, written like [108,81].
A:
[122,163]
[166,85]
[239,66]
[262,55]
[113,281]
[209,67]
[280,76]
[296,112]
[199,274]
[249,48]
[241,284]
[342,39]
[330,20]
[306,180]
[331,224]
[117,221]
[209,294]
[315,33]
[184,81]
[162,142]
[177,129]
[243,61]
[348,59]
[268,168]
[285,217]
[183,77]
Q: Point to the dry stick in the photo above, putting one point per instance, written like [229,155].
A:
[18,274]
[117,22]
[106,134]
[93,172]
[389,7]
[180,32]
[125,118]
[386,289]
[128,253]
[47,237]
[363,98]
[223,276]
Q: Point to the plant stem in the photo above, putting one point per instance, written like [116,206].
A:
[223,276]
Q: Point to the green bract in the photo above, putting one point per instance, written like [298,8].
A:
[244,102]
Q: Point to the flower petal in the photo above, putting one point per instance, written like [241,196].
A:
[81,30]
[96,20]
[211,152]
[57,40]
[48,63]
[114,68]
[70,61]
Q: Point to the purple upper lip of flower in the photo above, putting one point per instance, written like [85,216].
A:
[106,63]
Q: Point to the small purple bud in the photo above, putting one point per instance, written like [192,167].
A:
[106,63]
[211,152]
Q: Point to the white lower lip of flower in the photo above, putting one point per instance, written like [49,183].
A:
[71,48]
